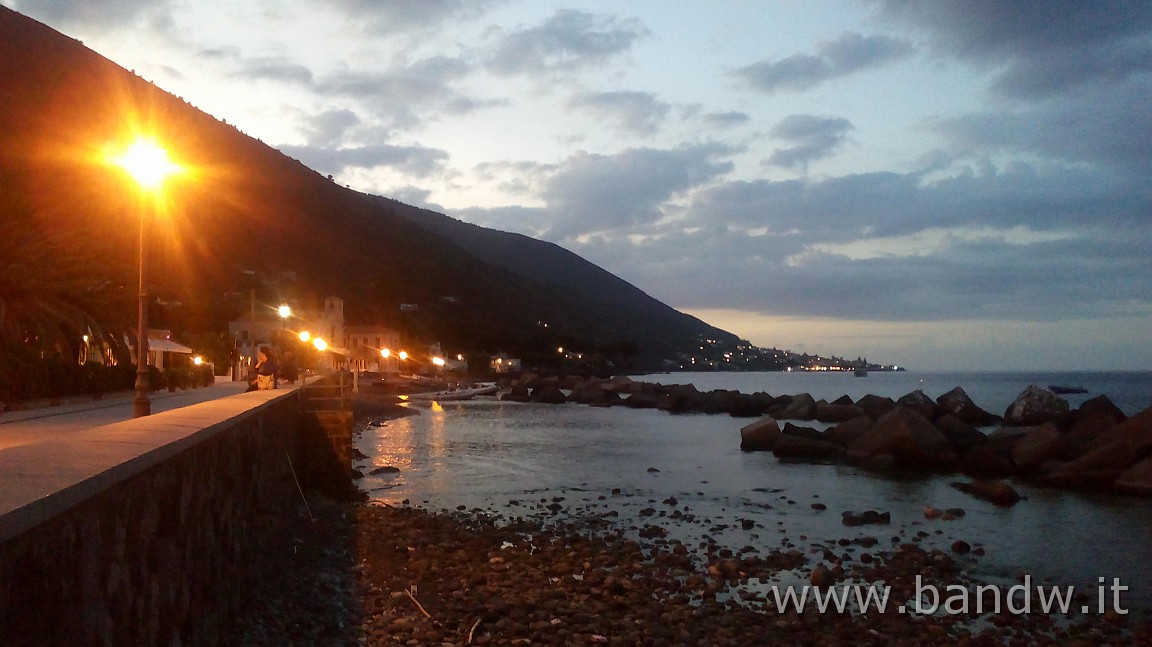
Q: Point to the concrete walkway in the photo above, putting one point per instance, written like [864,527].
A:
[52,458]
[52,423]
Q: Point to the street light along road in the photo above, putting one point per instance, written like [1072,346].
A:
[149,165]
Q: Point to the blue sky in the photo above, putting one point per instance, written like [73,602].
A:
[935,184]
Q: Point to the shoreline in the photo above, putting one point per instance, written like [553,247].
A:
[364,574]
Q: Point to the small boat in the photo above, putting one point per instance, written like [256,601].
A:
[860,372]
[1065,390]
[453,394]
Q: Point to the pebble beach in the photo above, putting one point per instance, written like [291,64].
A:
[372,574]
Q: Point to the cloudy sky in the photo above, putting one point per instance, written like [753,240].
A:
[937,184]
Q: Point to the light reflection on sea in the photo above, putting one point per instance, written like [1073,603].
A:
[487,454]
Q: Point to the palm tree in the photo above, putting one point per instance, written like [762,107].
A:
[50,283]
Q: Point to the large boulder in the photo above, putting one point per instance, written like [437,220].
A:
[875,406]
[641,401]
[1036,406]
[1137,430]
[680,398]
[1101,466]
[1038,446]
[589,391]
[996,492]
[518,393]
[828,412]
[719,401]
[909,437]
[1088,426]
[548,394]
[802,432]
[802,448]
[992,459]
[749,405]
[960,434]
[957,403]
[803,407]
[846,433]
[1137,479]
[618,384]
[760,436]
[919,402]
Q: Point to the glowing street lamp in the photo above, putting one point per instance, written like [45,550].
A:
[403,355]
[320,344]
[149,165]
[385,353]
[284,312]
[305,336]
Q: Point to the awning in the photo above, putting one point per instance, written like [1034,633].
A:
[168,346]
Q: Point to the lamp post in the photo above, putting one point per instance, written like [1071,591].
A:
[148,164]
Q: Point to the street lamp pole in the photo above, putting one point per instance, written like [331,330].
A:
[148,164]
[142,404]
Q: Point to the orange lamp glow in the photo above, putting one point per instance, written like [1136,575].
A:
[147,163]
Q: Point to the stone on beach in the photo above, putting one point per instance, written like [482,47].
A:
[760,436]
[911,440]
[996,492]
[1036,406]
[803,407]
[957,403]
[1137,479]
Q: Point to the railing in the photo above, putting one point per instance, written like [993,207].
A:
[330,393]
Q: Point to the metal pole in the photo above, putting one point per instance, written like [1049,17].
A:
[142,404]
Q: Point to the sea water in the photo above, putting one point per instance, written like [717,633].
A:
[518,458]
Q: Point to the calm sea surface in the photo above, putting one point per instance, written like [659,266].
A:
[515,459]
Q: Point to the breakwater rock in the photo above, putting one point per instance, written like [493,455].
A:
[1038,437]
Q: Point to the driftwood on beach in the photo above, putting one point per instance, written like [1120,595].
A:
[1038,437]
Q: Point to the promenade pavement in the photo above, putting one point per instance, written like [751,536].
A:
[55,423]
[54,457]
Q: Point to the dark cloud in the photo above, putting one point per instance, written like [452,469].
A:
[637,112]
[1114,128]
[811,138]
[328,128]
[849,53]
[726,119]
[278,69]
[1041,46]
[406,16]
[413,160]
[567,41]
[1018,243]
[591,193]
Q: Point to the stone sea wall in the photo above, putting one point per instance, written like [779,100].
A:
[160,556]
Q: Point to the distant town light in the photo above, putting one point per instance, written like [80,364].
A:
[438,361]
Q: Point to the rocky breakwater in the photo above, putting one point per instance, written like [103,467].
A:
[625,392]
[1039,438]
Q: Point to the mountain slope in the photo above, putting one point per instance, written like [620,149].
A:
[245,216]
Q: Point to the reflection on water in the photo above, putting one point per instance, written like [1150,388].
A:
[512,458]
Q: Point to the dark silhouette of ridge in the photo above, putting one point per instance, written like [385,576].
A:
[247,217]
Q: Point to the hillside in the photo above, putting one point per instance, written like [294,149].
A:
[246,216]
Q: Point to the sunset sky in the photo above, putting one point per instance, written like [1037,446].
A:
[935,184]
